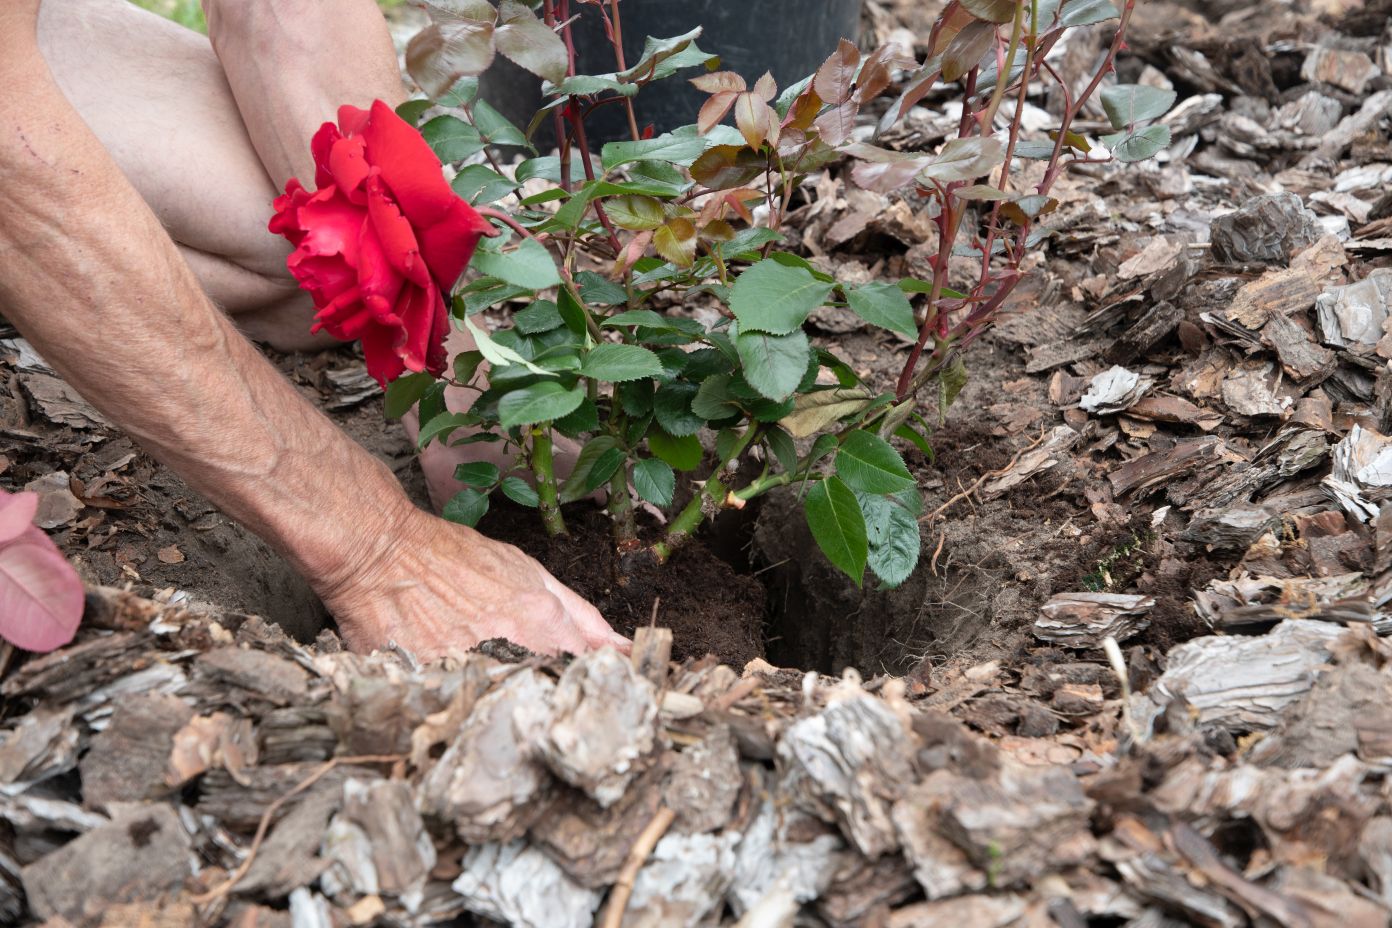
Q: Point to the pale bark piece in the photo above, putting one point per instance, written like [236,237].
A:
[1114,390]
[1153,326]
[42,744]
[256,673]
[1275,293]
[603,726]
[941,868]
[1267,229]
[1158,467]
[1361,476]
[590,842]
[1243,684]
[1301,356]
[997,911]
[289,858]
[1051,453]
[57,504]
[1353,316]
[128,760]
[1375,850]
[1174,409]
[704,783]
[1348,70]
[861,887]
[784,854]
[1345,713]
[1157,874]
[521,887]
[1251,389]
[683,882]
[490,782]
[142,854]
[1329,902]
[849,764]
[400,852]
[1083,620]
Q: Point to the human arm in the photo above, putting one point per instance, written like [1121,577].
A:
[89,276]
[292,63]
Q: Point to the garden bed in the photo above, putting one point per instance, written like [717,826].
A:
[1171,440]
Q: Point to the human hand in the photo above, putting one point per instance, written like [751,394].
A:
[438,588]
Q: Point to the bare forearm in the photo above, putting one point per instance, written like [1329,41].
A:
[91,278]
[293,63]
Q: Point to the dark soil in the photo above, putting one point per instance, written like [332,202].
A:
[709,605]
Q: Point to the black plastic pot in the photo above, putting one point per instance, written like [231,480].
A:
[789,38]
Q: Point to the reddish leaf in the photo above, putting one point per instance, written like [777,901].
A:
[631,253]
[875,74]
[439,55]
[756,120]
[529,42]
[835,124]
[918,88]
[833,79]
[41,597]
[803,111]
[718,231]
[720,82]
[966,49]
[724,166]
[882,170]
[995,11]
[953,20]
[676,241]
[714,110]
[765,88]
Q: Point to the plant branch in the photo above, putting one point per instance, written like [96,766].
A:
[544,469]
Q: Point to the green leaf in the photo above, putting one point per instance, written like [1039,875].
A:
[412,110]
[584,419]
[883,304]
[441,426]
[1139,145]
[496,354]
[773,364]
[783,448]
[774,298]
[714,401]
[541,402]
[452,139]
[618,363]
[1128,104]
[837,524]
[1087,12]
[669,148]
[444,51]
[635,213]
[541,316]
[520,492]
[587,85]
[495,128]
[916,438]
[529,265]
[574,486]
[682,452]
[466,364]
[404,392]
[867,463]
[529,42]
[599,291]
[477,474]
[657,52]
[654,481]
[466,508]
[892,531]
[672,407]
[481,185]
[605,467]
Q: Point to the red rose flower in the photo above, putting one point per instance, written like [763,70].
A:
[381,241]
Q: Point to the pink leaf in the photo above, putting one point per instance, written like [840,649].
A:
[41,596]
[16,514]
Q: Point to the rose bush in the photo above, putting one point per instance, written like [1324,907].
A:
[381,241]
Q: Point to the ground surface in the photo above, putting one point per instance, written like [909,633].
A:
[1174,438]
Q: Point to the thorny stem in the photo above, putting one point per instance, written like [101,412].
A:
[621,510]
[910,380]
[712,495]
[617,25]
[544,469]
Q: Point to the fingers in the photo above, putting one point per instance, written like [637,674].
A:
[586,618]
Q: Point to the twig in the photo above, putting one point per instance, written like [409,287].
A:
[226,886]
[637,856]
[976,485]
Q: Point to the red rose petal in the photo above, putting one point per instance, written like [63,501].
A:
[348,165]
[396,235]
[381,353]
[448,245]
[409,168]
[379,280]
[319,147]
